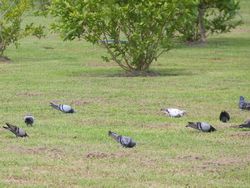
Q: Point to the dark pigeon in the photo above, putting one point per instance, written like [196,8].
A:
[243,104]
[19,132]
[62,107]
[201,126]
[29,120]
[224,116]
[246,124]
[125,141]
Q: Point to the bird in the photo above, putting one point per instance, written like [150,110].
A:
[29,120]
[243,104]
[174,112]
[224,116]
[125,141]
[246,124]
[62,107]
[19,132]
[202,126]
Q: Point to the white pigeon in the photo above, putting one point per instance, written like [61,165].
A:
[174,112]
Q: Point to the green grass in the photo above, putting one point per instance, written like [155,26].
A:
[73,150]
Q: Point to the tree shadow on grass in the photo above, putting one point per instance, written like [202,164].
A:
[105,72]
[4,59]
[155,73]
[242,42]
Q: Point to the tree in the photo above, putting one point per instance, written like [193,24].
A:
[11,12]
[131,31]
[210,16]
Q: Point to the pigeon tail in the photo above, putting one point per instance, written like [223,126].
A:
[212,129]
[6,128]
[192,125]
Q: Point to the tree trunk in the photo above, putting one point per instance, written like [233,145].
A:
[202,29]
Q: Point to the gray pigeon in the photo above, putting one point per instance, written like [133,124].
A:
[125,141]
[243,104]
[202,126]
[62,107]
[246,124]
[29,120]
[19,132]
[224,116]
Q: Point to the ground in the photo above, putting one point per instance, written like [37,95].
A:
[74,150]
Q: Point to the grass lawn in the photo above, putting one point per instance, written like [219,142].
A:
[73,150]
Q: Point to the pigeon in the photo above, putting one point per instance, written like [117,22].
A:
[246,124]
[224,116]
[19,132]
[202,126]
[29,120]
[125,141]
[62,107]
[243,104]
[174,112]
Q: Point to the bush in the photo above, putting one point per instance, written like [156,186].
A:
[11,12]
[131,31]
[209,17]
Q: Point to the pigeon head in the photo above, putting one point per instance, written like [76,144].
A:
[165,110]
[242,98]
[192,125]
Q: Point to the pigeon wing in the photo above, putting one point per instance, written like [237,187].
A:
[66,108]
[125,141]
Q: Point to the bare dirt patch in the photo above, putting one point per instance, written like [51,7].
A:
[102,155]
[243,134]
[51,152]
[29,94]
[159,126]
[200,164]
[190,157]
[79,102]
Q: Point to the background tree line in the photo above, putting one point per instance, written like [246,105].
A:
[135,33]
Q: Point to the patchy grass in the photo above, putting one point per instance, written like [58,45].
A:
[73,150]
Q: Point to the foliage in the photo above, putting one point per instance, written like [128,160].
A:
[210,16]
[131,31]
[11,12]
